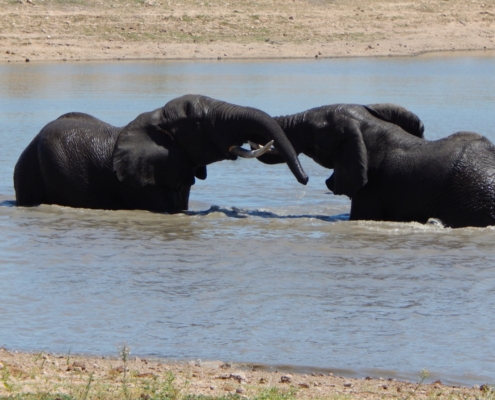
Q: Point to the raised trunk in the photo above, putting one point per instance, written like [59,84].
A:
[250,124]
[296,133]
[223,125]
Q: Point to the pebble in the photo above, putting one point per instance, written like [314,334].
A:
[239,376]
[286,378]
[348,384]
[79,364]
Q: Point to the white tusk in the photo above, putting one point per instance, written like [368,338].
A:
[273,151]
[254,145]
[240,152]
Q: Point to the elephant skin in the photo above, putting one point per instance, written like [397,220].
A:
[382,162]
[149,164]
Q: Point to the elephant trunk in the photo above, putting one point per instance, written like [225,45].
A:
[294,130]
[250,124]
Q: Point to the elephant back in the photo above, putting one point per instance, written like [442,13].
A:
[75,156]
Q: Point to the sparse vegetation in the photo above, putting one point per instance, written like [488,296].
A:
[44,376]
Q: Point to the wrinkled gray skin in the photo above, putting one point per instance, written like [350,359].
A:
[381,161]
[149,164]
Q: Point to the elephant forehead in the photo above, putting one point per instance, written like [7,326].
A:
[187,107]
[333,116]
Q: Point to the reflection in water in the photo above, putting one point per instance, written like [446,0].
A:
[235,212]
[261,269]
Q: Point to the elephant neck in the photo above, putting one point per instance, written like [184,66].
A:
[392,138]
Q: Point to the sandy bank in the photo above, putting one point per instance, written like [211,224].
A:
[132,377]
[200,29]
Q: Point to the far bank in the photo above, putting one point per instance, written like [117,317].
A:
[89,30]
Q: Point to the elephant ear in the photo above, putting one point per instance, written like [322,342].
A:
[145,155]
[350,161]
[399,116]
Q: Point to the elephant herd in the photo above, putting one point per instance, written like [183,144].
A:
[378,154]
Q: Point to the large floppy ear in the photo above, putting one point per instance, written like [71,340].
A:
[350,161]
[145,155]
[398,115]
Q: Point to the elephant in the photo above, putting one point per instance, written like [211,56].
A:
[382,162]
[150,164]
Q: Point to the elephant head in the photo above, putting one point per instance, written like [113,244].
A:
[337,137]
[173,144]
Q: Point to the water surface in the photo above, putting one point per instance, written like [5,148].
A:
[262,269]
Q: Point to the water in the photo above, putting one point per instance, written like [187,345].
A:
[262,269]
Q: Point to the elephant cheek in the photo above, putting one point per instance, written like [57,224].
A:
[209,155]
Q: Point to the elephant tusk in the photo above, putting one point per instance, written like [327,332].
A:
[255,146]
[273,151]
[240,152]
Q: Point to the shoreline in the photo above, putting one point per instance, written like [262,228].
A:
[88,30]
[253,58]
[268,58]
[113,377]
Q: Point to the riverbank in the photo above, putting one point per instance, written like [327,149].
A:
[49,376]
[36,30]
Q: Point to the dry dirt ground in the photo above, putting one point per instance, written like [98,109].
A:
[104,378]
[211,29]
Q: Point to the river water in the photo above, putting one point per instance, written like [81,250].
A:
[262,269]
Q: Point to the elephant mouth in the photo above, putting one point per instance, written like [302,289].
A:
[256,152]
